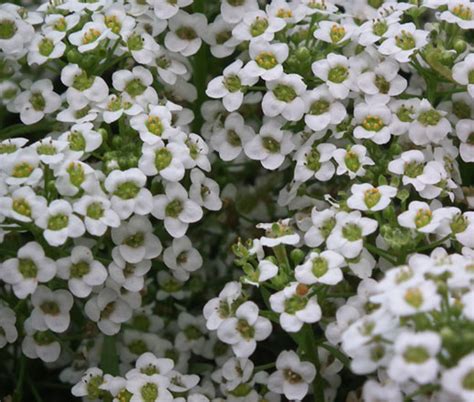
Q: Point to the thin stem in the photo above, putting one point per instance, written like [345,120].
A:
[382,253]
[309,346]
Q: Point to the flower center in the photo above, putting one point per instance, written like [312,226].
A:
[382,84]
[154,125]
[107,311]
[21,206]
[192,332]
[76,174]
[58,222]
[22,170]
[60,24]
[470,77]
[413,169]
[372,197]
[295,303]
[223,36]
[266,60]
[138,347]
[319,267]
[7,29]
[470,139]
[127,190]
[405,40]
[284,13]
[416,354]
[149,392]
[135,240]
[27,268]
[80,269]
[271,145]
[46,149]
[352,161]
[174,208]
[246,330]
[163,158]
[82,81]
[95,210]
[379,27]
[135,42]
[372,123]
[236,3]
[284,93]
[463,12]
[319,107]
[414,297]
[312,159]
[404,114]
[327,226]
[336,33]
[37,101]
[186,33]
[338,74]
[50,307]
[468,380]
[352,232]
[43,338]
[90,36]
[291,376]
[259,26]
[429,118]
[459,224]
[232,83]
[112,22]
[7,148]
[46,47]
[77,142]
[462,110]
[135,87]
[423,217]
[233,138]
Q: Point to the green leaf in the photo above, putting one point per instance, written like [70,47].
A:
[109,361]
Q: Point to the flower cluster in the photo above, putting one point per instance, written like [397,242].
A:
[142,140]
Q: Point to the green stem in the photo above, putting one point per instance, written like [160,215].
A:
[433,245]
[264,367]
[18,394]
[382,253]
[337,354]
[309,347]
[20,129]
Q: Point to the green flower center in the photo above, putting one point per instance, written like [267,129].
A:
[232,83]
[163,62]
[27,268]
[352,161]
[413,169]
[135,87]
[58,222]
[127,190]
[372,197]
[459,224]
[319,107]
[382,84]
[172,286]
[462,12]
[46,149]
[352,232]
[192,332]
[404,114]
[90,36]
[124,396]
[149,392]
[113,23]
[186,33]
[79,114]
[7,148]
[223,36]
[319,267]
[373,123]
[7,29]
[50,307]
[241,390]
[136,240]
[76,174]
[259,26]
[141,322]
[377,352]
[375,3]
[336,33]
[46,47]
[271,145]
[423,217]
[327,227]
[82,81]
[470,139]
[37,101]
[338,74]
[429,118]
[291,376]
[154,125]
[312,159]
[379,28]
[174,208]
[405,40]
[163,158]
[462,110]
[284,93]
[416,354]
[22,170]
[470,77]
[246,330]
[149,370]
[468,380]
[22,207]
[233,138]
[95,210]
[77,142]
[80,269]
[107,311]
[135,42]
[266,60]
[43,338]
[60,24]
[295,303]
[93,384]
[236,3]
[414,297]
[138,347]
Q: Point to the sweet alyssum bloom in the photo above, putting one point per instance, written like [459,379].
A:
[23,204]
[257,24]
[185,32]
[459,12]
[463,73]
[81,138]
[51,309]
[366,197]
[233,11]
[320,268]
[8,331]
[352,161]
[431,125]
[46,47]
[97,213]
[154,125]
[458,379]
[89,37]
[314,161]
[165,160]
[30,267]
[292,377]
[338,74]
[322,109]
[219,308]
[465,132]
[40,344]
[136,84]
[323,223]
[403,42]
[421,217]
[182,258]
[372,119]
[333,32]
[266,60]
[128,275]
[204,191]
[295,306]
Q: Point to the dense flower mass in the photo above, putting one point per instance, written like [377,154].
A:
[322,147]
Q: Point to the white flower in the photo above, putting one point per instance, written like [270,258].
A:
[292,377]
[40,344]
[59,223]
[465,132]
[372,119]
[51,309]
[333,32]
[458,379]
[295,306]
[8,331]
[266,60]
[281,232]
[463,73]
[415,357]
[373,30]
[191,335]
[149,388]
[374,392]
[168,66]
[165,9]
[73,177]
[460,12]
[176,209]
[135,240]
[89,37]
[284,97]
[185,33]
[322,267]
[403,42]
[348,234]
[352,161]
[414,298]
[46,47]
[322,109]
[15,33]
[420,217]
[219,36]
[136,84]
[244,330]
[50,152]
[182,258]
[266,270]
[82,138]
[108,310]
[314,161]
[431,125]
[89,383]
[204,191]
[366,197]
[97,213]
[23,205]
[81,271]
[114,106]
[383,79]
[163,160]
[337,72]
[345,316]
[323,223]
[22,168]
[270,146]
[27,270]
[230,86]
[154,125]
[127,275]
[257,24]
[115,21]
[234,11]
[37,101]
[219,308]
[128,192]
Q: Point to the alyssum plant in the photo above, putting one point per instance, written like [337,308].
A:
[150,147]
